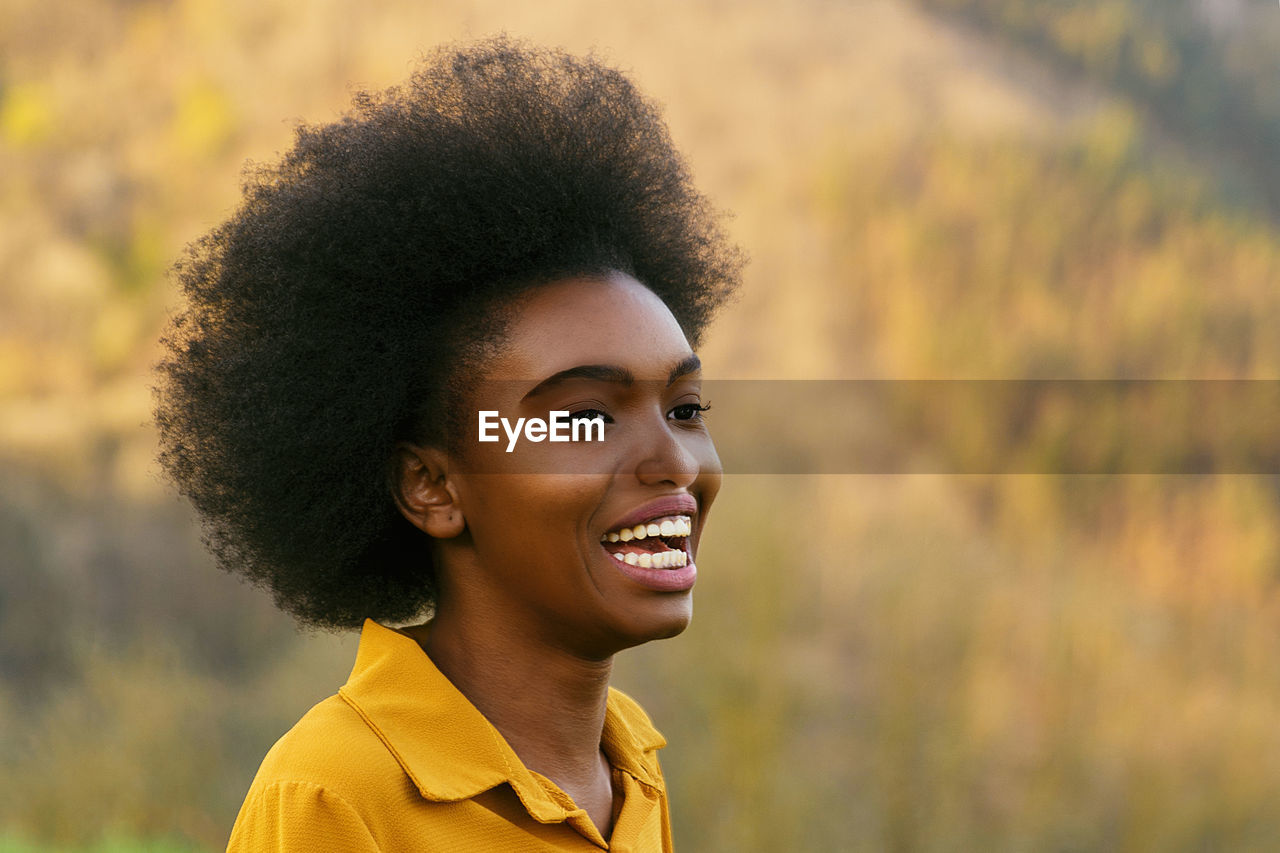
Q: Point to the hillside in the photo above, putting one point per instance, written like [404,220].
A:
[945,189]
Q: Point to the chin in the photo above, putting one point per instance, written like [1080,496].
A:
[671,622]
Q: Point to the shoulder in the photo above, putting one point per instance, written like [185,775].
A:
[292,817]
[330,773]
[331,746]
[330,755]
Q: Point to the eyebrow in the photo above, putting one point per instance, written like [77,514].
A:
[610,373]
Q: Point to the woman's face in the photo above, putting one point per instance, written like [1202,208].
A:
[544,521]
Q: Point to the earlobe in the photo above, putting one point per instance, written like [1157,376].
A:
[423,491]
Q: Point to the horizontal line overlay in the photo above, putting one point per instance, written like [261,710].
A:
[1038,426]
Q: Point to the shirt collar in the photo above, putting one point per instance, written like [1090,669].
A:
[447,747]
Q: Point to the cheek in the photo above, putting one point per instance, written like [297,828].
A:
[708,459]
[516,514]
[709,467]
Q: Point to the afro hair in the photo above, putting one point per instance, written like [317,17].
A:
[332,314]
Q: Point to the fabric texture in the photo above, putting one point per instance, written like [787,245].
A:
[400,760]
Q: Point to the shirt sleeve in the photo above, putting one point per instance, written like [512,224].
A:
[299,817]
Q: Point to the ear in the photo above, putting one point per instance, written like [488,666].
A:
[423,492]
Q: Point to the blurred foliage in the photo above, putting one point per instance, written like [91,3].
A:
[1206,70]
[877,663]
[113,845]
[1006,261]
[1009,662]
[25,116]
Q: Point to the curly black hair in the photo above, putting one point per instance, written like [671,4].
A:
[332,314]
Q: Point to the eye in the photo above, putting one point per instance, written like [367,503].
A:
[590,415]
[689,412]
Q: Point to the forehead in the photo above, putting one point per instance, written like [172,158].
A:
[613,320]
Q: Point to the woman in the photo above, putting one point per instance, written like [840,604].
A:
[511,233]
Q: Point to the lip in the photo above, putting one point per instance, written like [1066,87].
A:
[660,580]
[669,505]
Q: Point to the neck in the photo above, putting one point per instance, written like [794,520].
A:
[547,703]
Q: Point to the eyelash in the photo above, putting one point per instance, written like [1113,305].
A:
[695,412]
[590,414]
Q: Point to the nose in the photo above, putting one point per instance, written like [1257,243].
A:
[675,458]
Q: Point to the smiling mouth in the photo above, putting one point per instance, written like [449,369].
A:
[658,544]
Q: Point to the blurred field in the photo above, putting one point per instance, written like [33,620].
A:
[108,846]
[928,189]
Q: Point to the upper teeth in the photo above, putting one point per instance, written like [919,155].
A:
[672,525]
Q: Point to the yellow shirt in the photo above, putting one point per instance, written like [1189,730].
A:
[399,760]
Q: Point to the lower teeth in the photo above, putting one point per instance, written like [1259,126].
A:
[660,560]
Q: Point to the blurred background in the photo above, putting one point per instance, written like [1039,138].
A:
[976,189]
